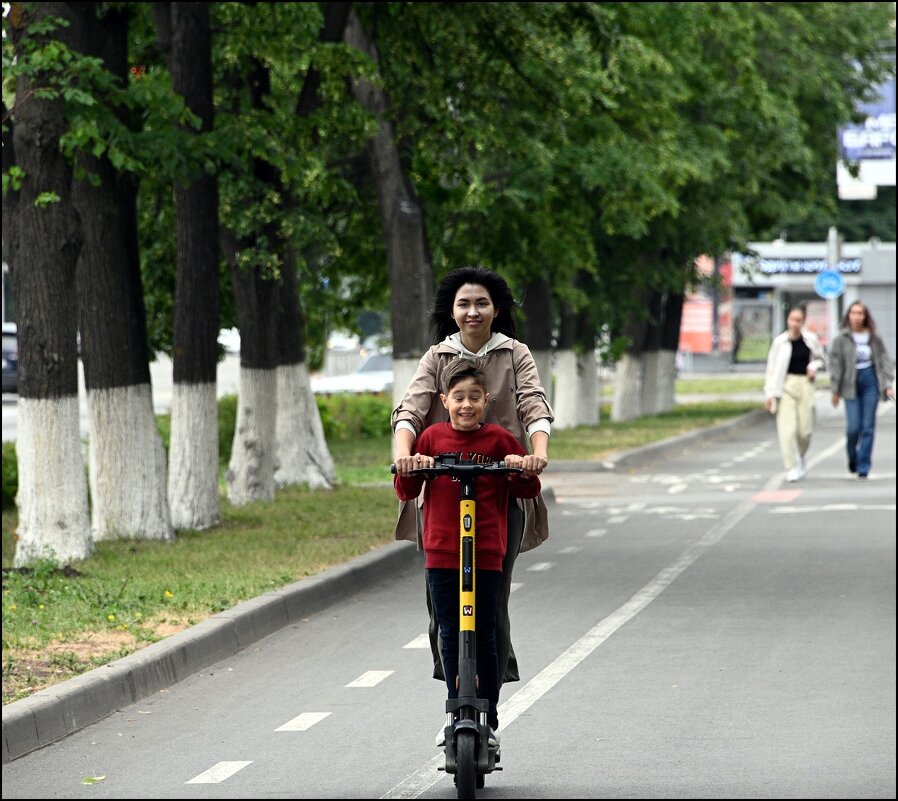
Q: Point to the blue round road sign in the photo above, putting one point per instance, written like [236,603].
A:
[829,284]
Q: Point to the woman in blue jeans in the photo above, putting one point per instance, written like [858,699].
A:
[861,373]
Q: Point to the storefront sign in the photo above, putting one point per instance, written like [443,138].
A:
[805,266]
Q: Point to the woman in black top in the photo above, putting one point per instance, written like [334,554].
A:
[793,361]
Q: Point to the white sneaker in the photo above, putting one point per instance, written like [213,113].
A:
[802,466]
[494,739]
[440,739]
[794,474]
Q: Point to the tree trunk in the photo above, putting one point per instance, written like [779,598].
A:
[405,235]
[650,379]
[537,330]
[193,451]
[628,394]
[667,353]
[250,475]
[302,453]
[127,458]
[43,245]
[577,379]
[588,375]
[567,377]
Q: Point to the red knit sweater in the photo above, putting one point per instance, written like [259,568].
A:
[442,495]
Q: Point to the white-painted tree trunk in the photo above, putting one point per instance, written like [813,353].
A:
[193,497]
[666,372]
[648,401]
[127,466]
[588,376]
[543,359]
[403,371]
[627,389]
[54,521]
[567,390]
[251,469]
[302,453]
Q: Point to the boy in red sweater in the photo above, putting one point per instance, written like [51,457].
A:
[466,398]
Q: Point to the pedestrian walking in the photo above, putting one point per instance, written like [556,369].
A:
[794,358]
[861,374]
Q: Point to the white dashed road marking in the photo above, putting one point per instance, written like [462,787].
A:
[370,678]
[303,722]
[219,772]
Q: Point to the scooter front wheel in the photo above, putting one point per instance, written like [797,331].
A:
[466,765]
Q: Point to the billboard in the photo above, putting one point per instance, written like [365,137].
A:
[871,145]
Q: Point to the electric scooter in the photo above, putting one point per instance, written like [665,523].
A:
[469,756]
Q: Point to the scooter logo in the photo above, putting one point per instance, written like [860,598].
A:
[467,610]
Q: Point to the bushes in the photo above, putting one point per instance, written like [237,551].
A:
[10,474]
[348,417]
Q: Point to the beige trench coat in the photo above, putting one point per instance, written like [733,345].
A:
[517,399]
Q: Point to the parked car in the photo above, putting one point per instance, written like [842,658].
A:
[374,374]
[10,358]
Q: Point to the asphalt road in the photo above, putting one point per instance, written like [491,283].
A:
[693,628]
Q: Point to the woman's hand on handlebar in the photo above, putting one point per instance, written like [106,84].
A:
[531,464]
[405,464]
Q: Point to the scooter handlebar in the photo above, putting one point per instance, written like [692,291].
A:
[461,468]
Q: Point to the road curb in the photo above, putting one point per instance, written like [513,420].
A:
[60,710]
[64,708]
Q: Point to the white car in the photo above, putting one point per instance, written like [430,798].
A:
[374,374]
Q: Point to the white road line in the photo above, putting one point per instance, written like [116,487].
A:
[618,519]
[426,776]
[218,773]
[596,532]
[834,507]
[571,549]
[370,678]
[303,722]
[541,566]
[673,490]
[516,585]
[421,641]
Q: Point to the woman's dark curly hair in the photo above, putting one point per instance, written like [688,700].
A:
[442,322]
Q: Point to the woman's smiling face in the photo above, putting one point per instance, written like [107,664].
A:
[473,309]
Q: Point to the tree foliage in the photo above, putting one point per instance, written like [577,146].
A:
[545,140]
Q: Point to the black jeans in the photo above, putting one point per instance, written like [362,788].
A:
[443,585]
[508,661]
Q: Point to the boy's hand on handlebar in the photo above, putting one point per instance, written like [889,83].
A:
[405,464]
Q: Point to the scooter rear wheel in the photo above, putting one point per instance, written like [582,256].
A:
[466,765]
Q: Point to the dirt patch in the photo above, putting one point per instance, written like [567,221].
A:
[26,671]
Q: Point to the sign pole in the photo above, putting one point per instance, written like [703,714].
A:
[833,257]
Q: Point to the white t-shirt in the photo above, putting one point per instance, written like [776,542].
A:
[863,352]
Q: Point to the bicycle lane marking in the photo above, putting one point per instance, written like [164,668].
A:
[427,775]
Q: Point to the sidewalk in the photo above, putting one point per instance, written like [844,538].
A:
[62,709]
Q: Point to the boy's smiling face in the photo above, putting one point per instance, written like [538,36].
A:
[466,402]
